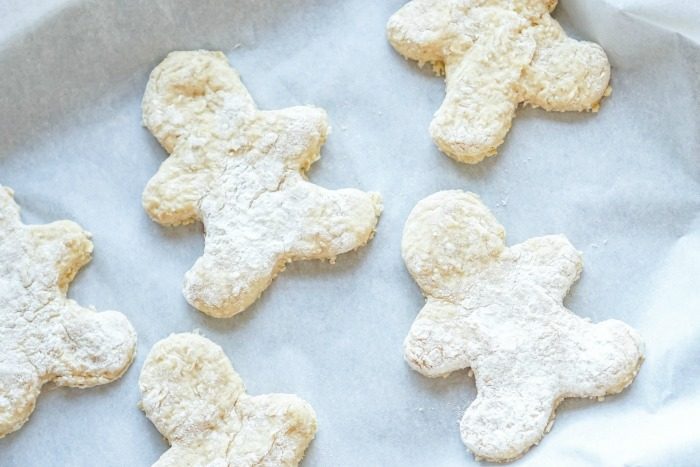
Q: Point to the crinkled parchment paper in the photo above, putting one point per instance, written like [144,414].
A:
[623,185]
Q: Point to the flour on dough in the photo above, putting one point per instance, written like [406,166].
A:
[198,402]
[240,171]
[45,336]
[498,310]
[496,54]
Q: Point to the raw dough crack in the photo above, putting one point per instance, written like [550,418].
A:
[496,54]
[240,171]
[45,336]
[198,402]
[499,311]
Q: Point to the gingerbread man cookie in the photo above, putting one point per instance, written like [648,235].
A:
[498,310]
[45,336]
[197,401]
[240,171]
[496,54]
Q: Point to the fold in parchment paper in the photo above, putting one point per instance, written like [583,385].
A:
[623,185]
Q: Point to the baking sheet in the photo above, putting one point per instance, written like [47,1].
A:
[623,185]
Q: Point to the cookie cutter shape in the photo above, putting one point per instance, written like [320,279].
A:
[45,336]
[495,55]
[498,310]
[240,171]
[198,402]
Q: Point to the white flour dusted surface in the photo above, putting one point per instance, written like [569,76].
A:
[498,310]
[240,171]
[191,393]
[45,336]
[496,54]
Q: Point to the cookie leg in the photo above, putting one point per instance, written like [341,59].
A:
[230,277]
[276,429]
[9,211]
[332,222]
[19,389]
[437,342]
[420,29]
[606,358]
[90,348]
[501,425]
[481,97]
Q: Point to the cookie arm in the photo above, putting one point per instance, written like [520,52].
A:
[331,222]
[565,74]
[65,244]
[420,29]
[603,358]
[482,96]
[276,430]
[437,343]
[299,132]
[172,196]
[62,243]
[89,348]
[551,261]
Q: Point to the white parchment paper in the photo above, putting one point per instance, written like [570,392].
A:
[623,185]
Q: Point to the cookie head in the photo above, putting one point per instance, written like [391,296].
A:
[445,236]
[184,89]
[420,29]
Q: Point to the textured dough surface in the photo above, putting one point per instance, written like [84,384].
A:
[193,396]
[496,54]
[499,311]
[241,172]
[45,336]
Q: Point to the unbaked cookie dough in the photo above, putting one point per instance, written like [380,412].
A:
[496,54]
[498,310]
[198,402]
[240,171]
[45,336]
